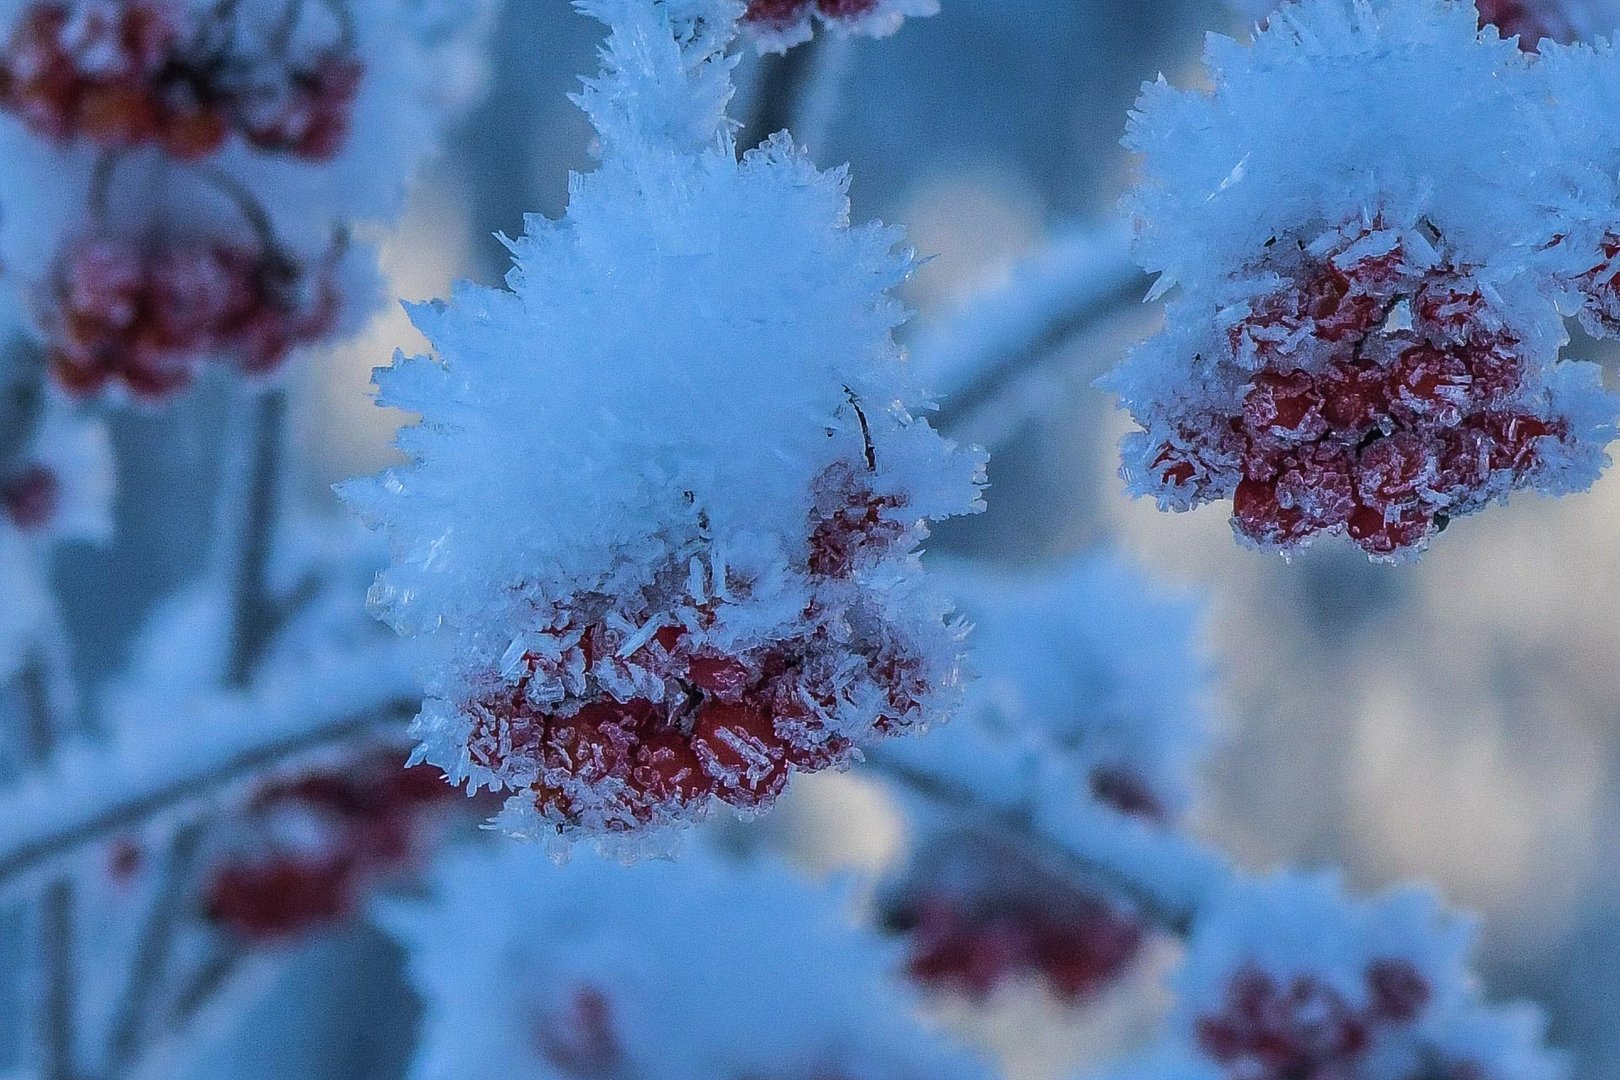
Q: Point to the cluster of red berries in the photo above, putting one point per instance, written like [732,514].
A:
[1303,1029]
[1077,948]
[1377,394]
[30,497]
[615,728]
[969,934]
[1531,20]
[317,841]
[147,315]
[784,13]
[152,72]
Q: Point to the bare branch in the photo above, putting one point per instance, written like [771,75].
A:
[153,945]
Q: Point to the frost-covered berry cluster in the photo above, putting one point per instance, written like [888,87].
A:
[777,25]
[1089,689]
[1287,978]
[183,175]
[686,970]
[307,847]
[665,500]
[1366,331]
[184,75]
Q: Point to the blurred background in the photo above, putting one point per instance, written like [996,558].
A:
[1453,721]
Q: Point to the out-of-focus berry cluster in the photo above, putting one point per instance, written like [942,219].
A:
[147,314]
[1375,391]
[1301,1028]
[124,74]
[310,845]
[977,916]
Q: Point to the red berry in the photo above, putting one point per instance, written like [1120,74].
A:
[31,497]
[741,753]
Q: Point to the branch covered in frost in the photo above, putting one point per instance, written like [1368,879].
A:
[1078,278]
[189,750]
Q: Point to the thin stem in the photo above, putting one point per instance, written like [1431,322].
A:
[58,1007]
[1085,854]
[1078,282]
[39,722]
[252,618]
[784,81]
[153,947]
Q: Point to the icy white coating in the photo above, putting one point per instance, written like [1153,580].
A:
[1085,675]
[1564,19]
[687,970]
[637,430]
[1322,951]
[778,25]
[1350,128]
[423,66]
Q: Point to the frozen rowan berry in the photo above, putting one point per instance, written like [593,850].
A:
[1528,20]
[31,497]
[582,1039]
[1272,1029]
[741,752]
[777,12]
[975,915]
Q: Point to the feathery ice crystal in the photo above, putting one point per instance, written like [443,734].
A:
[1287,978]
[1088,685]
[778,25]
[665,500]
[685,970]
[1365,333]
[276,126]
[1529,21]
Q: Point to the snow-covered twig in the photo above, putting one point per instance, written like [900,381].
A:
[1166,876]
[1076,281]
[90,791]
